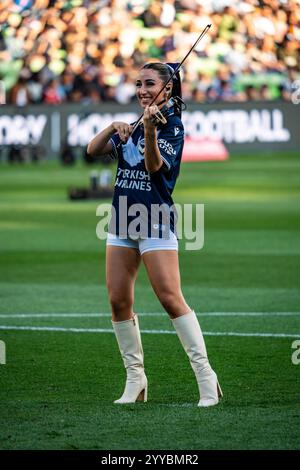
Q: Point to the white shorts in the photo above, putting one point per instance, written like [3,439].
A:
[144,244]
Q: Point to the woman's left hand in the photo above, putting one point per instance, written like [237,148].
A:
[149,114]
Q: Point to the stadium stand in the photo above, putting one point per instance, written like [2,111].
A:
[88,51]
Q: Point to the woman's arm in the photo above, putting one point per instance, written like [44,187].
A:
[100,144]
[153,160]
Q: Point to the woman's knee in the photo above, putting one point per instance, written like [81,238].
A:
[173,302]
[120,303]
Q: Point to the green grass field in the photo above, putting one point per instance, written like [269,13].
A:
[63,369]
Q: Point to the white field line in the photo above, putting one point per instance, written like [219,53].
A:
[150,314]
[162,332]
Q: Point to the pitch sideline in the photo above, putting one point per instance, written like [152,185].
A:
[102,330]
[146,314]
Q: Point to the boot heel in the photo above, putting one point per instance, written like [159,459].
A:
[143,395]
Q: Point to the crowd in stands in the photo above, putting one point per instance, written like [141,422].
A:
[89,51]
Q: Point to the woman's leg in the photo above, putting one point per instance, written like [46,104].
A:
[122,266]
[163,271]
[121,270]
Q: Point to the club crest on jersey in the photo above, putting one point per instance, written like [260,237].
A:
[133,154]
[141,145]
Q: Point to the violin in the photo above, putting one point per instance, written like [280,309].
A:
[161,116]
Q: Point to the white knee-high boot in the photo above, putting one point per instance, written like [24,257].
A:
[130,345]
[189,332]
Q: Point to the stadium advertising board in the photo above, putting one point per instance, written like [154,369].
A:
[248,127]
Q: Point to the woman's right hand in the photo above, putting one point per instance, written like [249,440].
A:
[123,129]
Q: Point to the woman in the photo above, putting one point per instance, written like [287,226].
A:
[148,165]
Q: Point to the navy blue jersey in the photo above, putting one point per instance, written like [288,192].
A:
[140,187]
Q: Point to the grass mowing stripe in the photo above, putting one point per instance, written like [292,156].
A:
[147,314]
[163,332]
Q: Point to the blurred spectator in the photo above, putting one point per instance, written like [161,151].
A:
[54,93]
[168,13]
[252,93]
[35,88]
[19,93]
[125,91]
[264,93]
[82,51]
[152,15]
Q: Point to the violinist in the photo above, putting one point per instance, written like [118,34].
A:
[148,166]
